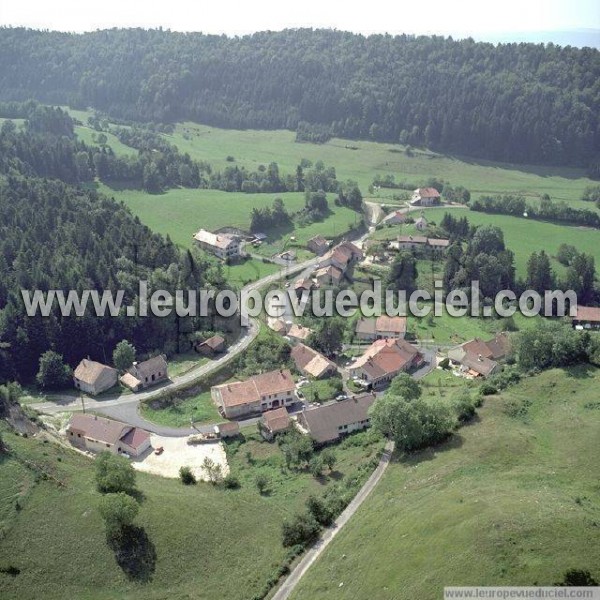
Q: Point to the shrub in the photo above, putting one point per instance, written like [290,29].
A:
[118,511]
[262,483]
[445,363]
[320,510]
[186,476]
[487,389]
[316,466]
[231,482]
[302,529]
[577,578]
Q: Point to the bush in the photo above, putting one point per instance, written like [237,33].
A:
[303,529]
[231,482]
[320,510]
[445,363]
[316,466]
[262,483]
[464,407]
[577,578]
[186,476]
[487,389]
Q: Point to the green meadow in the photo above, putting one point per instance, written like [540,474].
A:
[362,160]
[510,499]
[198,541]
[522,236]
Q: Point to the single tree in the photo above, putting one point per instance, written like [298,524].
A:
[53,373]
[114,474]
[118,511]
[123,355]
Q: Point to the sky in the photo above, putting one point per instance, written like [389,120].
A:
[234,17]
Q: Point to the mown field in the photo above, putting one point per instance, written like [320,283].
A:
[522,236]
[361,161]
[512,499]
[198,541]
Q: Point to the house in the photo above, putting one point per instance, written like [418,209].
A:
[329,275]
[229,429]
[398,217]
[303,284]
[211,346]
[298,333]
[278,326]
[588,317]
[312,363]
[318,244]
[383,360]
[144,374]
[426,197]
[342,256]
[390,327]
[257,394]
[421,223]
[225,246]
[438,244]
[288,255]
[409,242]
[365,329]
[477,358]
[372,328]
[93,377]
[96,434]
[274,422]
[328,423]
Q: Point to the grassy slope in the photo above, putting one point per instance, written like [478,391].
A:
[522,236]
[181,212]
[209,543]
[251,148]
[509,501]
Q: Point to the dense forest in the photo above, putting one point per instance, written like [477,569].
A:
[54,235]
[513,102]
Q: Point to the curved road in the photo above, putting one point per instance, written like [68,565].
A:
[125,407]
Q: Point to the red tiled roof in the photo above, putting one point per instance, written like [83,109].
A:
[588,313]
[135,438]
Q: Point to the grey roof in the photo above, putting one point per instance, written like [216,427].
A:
[323,422]
[147,368]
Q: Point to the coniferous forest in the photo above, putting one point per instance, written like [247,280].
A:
[522,103]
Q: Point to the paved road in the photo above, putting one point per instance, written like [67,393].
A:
[124,407]
[311,556]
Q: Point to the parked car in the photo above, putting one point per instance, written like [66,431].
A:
[159,451]
[341,397]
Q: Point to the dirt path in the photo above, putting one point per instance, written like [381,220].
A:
[311,556]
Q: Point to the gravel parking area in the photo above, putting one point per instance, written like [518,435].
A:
[178,453]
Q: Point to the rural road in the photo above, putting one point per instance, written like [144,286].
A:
[125,407]
[315,551]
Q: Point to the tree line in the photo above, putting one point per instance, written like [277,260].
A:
[524,103]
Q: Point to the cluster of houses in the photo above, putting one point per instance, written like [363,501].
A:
[477,358]
[93,377]
[336,263]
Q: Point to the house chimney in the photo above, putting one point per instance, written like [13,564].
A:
[480,358]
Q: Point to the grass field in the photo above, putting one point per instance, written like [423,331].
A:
[182,212]
[512,499]
[197,409]
[522,236]
[361,161]
[202,542]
